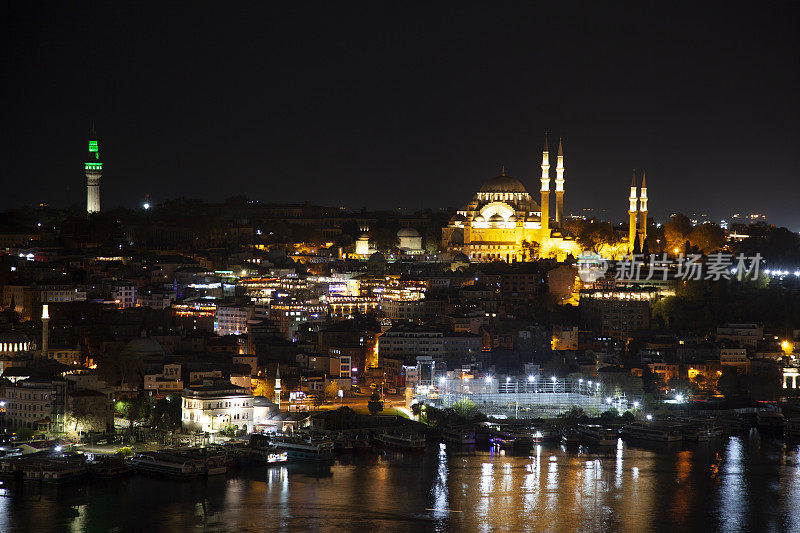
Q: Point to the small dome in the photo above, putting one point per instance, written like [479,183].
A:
[496,218]
[461,258]
[479,218]
[512,218]
[363,237]
[407,232]
[377,257]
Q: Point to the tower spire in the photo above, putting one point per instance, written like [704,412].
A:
[560,184]
[93,168]
[545,191]
[643,210]
[632,208]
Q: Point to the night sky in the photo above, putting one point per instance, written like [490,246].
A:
[411,105]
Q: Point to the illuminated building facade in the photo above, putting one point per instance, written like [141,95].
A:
[504,223]
[94,171]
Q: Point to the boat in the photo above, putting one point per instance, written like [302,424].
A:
[216,465]
[597,434]
[303,449]
[570,437]
[167,464]
[651,431]
[109,466]
[770,421]
[342,445]
[409,443]
[546,434]
[55,470]
[362,444]
[456,435]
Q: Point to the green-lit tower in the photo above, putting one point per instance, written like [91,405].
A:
[94,171]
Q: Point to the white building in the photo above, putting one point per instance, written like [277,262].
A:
[215,406]
[232,320]
[124,294]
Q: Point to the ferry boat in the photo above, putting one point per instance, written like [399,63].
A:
[770,421]
[54,471]
[546,434]
[570,437]
[342,444]
[652,432]
[109,466]
[596,434]
[408,443]
[304,449]
[362,444]
[458,436]
[216,465]
[167,464]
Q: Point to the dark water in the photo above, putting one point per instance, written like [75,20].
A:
[748,483]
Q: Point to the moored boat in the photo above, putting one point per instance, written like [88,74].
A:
[652,431]
[597,434]
[167,464]
[405,442]
[303,449]
[458,435]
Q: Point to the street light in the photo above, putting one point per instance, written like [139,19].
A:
[531,378]
[679,398]
[608,400]
[553,379]
[508,380]
[635,405]
[488,379]
[649,417]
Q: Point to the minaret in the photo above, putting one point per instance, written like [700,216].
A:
[278,387]
[45,330]
[632,214]
[545,187]
[94,171]
[643,211]
[560,186]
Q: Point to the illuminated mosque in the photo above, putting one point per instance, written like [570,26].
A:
[504,223]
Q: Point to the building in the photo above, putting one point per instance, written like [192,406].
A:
[124,295]
[167,382]
[504,223]
[36,404]
[404,340]
[216,405]
[94,171]
[232,319]
[616,313]
[740,334]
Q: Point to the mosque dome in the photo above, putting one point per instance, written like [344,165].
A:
[503,184]
[479,218]
[407,232]
[496,219]
[512,218]
[143,347]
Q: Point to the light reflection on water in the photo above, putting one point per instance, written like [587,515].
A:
[735,484]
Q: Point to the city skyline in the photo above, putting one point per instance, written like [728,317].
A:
[434,106]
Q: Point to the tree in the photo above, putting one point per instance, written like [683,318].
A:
[708,237]
[332,390]
[318,398]
[465,408]
[375,404]
[676,232]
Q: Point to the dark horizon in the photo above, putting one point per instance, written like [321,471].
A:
[385,107]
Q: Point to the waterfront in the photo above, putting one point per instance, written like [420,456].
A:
[748,483]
